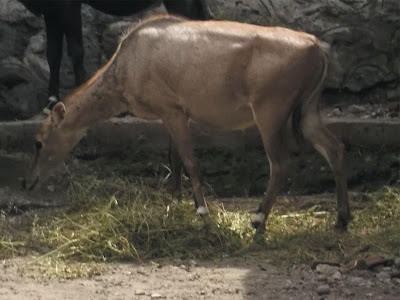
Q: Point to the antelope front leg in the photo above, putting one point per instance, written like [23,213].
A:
[176,123]
[176,169]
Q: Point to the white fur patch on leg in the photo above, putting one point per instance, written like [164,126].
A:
[258,218]
[53,98]
[46,111]
[202,210]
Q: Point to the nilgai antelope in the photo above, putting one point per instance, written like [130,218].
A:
[63,17]
[220,74]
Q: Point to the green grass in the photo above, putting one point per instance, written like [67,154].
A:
[114,219]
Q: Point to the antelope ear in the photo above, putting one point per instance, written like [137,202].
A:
[57,113]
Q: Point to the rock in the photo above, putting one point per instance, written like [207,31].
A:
[37,43]
[193,263]
[356,109]
[393,114]
[140,293]
[373,261]
[348,293]
[326,270]
[321,277]
[337,275]
[142,271]
[323,289]
[396,262]
[19,90]
[35,57]
[13,12]
[382,276]
[394,106]
[369,283]
[358,281]
[289,284]
[336,112]
[156,296]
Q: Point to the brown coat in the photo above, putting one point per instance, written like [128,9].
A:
[220,74]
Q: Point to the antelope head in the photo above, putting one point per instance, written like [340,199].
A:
[51,147]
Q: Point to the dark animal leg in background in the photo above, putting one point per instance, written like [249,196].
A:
[176,169]
[192,9]
[55,36]
[73,33]
[176,123]
[62,20]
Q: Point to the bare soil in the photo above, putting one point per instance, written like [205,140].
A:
[229,279]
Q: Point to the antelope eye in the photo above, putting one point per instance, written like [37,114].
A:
[38,145]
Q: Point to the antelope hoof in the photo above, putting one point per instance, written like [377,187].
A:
[257,220]
[202,210]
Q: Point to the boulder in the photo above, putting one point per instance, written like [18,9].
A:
[21,90]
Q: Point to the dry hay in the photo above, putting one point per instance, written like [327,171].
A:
[115,219]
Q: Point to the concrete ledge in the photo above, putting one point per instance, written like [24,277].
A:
[366,132]
[130,131]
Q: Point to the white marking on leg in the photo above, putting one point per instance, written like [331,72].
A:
[258,218]
[46,111]
[53,98]
[202,210]
[52,101]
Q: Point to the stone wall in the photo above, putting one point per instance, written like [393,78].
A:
[24,71]
[364,37]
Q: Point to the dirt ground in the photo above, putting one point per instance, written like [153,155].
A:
[245,277]
[219,280]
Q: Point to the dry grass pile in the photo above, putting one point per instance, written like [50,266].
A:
[114,219]
[310,235]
